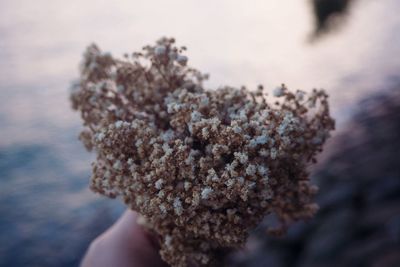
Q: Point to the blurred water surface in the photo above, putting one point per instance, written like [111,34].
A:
[46,209]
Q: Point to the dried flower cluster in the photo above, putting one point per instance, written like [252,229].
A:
[203,167]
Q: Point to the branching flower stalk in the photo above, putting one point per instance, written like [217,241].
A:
[202,167]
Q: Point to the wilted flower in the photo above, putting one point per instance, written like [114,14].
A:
[203,167]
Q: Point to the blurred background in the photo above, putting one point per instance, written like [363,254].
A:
[350,48]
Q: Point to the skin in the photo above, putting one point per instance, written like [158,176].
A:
[124,244]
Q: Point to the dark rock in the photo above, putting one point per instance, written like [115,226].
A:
[327,12]
[339,194]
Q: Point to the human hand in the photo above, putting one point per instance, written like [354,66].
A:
[124,244]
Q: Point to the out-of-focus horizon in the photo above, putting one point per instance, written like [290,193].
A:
[266,42]
[44,170]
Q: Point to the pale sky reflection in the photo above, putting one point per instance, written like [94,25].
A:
[238,43]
